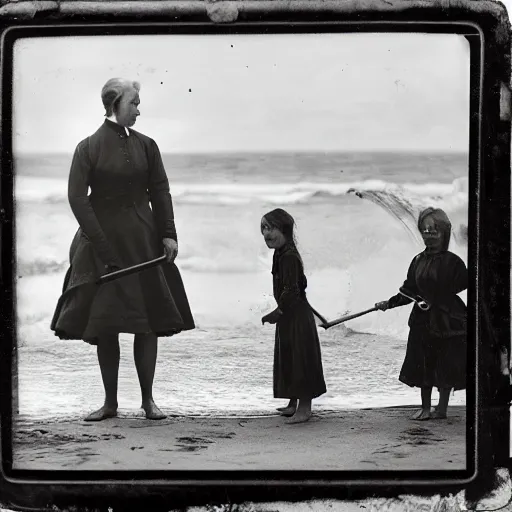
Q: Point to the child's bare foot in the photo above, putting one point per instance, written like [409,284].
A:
[152,411]
[421,415]
[102,413]
[438,414]
[291,404]
[288,411]
[299,417]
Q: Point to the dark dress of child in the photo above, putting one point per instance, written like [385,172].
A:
[298,371]
[436,347]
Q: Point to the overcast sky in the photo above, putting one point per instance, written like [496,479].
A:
[250,92]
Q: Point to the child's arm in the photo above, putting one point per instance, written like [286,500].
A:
[291,272]
[456,275]
[398,299]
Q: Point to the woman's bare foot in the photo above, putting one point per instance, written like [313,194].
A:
[288,411]
[152,411]
[102,414]
[421,415]
[299,417]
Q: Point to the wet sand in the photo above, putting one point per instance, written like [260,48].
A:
[362,439]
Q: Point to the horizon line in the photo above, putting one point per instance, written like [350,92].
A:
[273,151]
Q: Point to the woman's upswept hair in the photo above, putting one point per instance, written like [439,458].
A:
[441,221]
[112,92]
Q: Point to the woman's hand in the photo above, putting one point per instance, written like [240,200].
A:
[171,249]
[272,317]
[382,305]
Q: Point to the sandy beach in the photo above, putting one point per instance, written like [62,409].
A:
[362,439]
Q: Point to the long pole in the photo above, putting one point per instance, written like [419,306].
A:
[327,325]
[131,270]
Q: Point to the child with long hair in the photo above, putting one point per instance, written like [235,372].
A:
[436,348]
[298,371]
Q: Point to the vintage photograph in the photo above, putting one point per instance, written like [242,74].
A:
[241,252]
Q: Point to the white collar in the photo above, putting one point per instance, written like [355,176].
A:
[114,120]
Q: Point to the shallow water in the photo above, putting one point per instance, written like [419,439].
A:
[355,254]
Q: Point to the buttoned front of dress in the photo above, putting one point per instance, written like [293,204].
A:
[122,223]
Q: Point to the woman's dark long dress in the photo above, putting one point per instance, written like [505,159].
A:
[118,228]
[298,371]
[436,347]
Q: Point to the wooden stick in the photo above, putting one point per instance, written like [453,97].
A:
[131,270]
[327,325]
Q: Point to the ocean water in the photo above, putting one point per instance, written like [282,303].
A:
[355,217]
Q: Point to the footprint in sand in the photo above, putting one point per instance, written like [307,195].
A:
[108,437]
[79,457]
[220,435]
[420,436]
[190,448]
[387,449]
[369,462]
[418,431]
[192,444]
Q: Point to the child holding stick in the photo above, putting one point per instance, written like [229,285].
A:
[436,348]
[298,371]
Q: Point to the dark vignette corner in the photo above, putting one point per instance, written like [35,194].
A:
[494,257]
[8,354]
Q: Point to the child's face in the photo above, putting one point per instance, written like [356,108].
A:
[432,237]
[273,237]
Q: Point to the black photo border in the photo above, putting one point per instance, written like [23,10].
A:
[487,30]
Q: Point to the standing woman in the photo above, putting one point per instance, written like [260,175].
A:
[298,372]
[436,348]
[124,171]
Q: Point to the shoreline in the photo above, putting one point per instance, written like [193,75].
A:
[125,413]
[352,439]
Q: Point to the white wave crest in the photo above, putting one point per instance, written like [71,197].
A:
[30,189]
